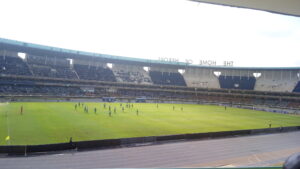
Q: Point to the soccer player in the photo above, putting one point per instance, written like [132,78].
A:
[173,108]
[109,113]
[115,110]
[181,108]
[75,106]
[137,112]
[21,110]
[95,110]
[104,105]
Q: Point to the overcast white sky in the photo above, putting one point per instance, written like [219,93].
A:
[156,28]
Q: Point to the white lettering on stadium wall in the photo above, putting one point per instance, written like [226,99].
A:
[201,62]
[207,62]
[168,59]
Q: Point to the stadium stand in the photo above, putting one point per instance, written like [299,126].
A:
[236,82]
[50,67]
[167,78]
[277,80]
[132,74]
[40,90]
[49,71]
[297,87]
[53,71]
[89,72]
[282,104]
[294,104]
[201,78]
[13,65]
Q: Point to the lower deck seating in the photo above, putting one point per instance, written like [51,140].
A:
[41,90]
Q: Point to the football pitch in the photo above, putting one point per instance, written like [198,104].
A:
[56,122]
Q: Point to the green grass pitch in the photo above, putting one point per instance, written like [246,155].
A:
[55,122]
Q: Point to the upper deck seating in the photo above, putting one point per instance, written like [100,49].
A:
[167,78]
[13,66]
[94,73]
[237,82]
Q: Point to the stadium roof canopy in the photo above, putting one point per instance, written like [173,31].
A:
[286,7]
[65,53]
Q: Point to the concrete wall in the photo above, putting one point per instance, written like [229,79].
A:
[277,80]
[201,78]
[110,143]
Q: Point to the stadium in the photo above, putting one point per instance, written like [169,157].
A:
[64,108]
[44,90]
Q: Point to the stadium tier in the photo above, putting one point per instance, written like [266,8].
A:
[30,69]
[89,72]
[237,82]
[13,66]
[297,88]
[131,73]
[167,78]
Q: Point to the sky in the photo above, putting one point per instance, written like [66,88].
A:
[154,29]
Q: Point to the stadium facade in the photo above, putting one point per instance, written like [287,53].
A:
[41,71]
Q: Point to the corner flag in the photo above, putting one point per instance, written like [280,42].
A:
[7,138]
